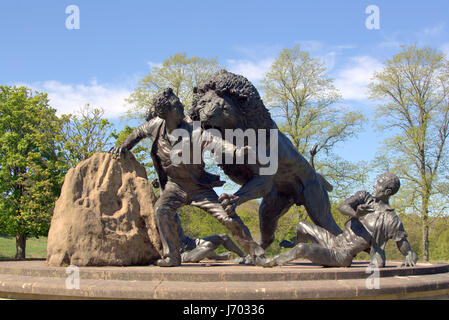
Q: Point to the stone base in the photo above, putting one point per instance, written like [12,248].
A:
[222,281]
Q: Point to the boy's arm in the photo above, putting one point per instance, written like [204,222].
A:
[347,210]
[214,141]
[410,255]
[399,235]
[143,131]
[355,206]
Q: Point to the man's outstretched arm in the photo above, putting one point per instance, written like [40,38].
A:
[377,257]
[410,255]
[148,129]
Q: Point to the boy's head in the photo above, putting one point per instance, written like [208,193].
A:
[166,104]
[387,185]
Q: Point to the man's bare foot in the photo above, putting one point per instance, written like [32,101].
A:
[168,262]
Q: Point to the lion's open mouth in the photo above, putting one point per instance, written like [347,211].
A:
[207,121]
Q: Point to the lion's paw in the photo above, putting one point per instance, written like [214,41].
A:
[229,202]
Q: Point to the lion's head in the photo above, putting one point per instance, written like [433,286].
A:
[229,101]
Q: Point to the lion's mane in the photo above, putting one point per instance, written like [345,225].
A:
[243,94]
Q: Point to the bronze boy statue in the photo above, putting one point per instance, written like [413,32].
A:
[183,183]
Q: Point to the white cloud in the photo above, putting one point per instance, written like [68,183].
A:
[433,31]
[329,60]
[423,36]
[329,54]
[258,59]
[152,64]
[352,81]
[390,42]
[253,70]
[253,61]
[69,98]
[258,52]
[312,45]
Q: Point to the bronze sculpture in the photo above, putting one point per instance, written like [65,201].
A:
[372,223]
[228,101]
[182,183]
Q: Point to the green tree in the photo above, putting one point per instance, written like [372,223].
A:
[300,94]
[439,249]
[85,133]
[413,90]
[178,72]
[31,172]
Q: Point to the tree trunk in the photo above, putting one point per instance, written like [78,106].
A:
[425,239]
[20,246]
[425,230]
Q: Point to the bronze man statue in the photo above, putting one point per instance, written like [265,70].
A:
[183,183]
[372,223]
[195,250]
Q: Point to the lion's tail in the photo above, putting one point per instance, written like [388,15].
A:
[325,183]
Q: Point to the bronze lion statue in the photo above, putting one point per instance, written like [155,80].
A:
[230,101]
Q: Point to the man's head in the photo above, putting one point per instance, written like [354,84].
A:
[167,105]
[387,185]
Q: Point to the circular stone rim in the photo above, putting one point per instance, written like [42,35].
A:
[211,271]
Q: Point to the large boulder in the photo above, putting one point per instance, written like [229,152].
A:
[104,215]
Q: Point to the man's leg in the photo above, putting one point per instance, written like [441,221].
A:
[316,234]
[225,241]
[198,254]
[219,256]
[171,199]
[323,250]
[207,246]
[310,232]
[207,200]
[315,253]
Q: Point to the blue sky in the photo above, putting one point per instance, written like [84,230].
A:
[118,41]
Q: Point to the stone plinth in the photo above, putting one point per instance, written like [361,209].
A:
[223,281]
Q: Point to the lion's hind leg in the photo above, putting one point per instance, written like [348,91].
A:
[273,206]
[316,201]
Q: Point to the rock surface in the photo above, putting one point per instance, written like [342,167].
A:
[104,215]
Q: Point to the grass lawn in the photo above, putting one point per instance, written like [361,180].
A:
[36,248]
